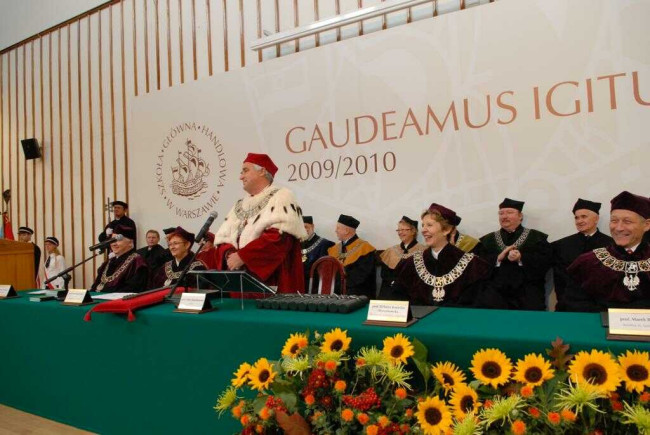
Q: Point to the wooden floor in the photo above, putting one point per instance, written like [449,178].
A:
[13,421]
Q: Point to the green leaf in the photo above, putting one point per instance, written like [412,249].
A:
[259,403]
[420,357]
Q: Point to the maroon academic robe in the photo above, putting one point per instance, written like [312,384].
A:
[273,258]
[133,279]
[209,258]
[596,287]
[463,292]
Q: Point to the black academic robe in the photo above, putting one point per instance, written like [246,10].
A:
[389,261]
[567,249]
[594,287]
[169,273]
[124,221]
[133,279]
[313,249]
[155,257]
[37,259]
[359,264]
[463,292]
[514,286]
[646,237]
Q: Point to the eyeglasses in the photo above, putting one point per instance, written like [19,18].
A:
[403,230]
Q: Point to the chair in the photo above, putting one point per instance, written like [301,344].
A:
[327,268]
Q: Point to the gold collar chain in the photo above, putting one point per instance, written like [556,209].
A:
[439,282]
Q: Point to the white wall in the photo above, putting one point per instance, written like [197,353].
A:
[24,18]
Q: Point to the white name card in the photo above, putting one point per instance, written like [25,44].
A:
[388,311]
[626,321]
[75,296]
[4,290]
[192,301]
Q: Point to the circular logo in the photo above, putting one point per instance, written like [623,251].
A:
[191,170]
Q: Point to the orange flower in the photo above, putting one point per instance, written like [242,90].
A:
[363,418]
[264,413]
[405,428]
[309,399]
[526,391]
[487,404]
[236,412]
[409,412]
[361,362]
[568,415]
[373,429]
[330,365]
[644,397]
[616,405]
[534,412]
[518,427]
[316,415]
[347,414]
[554,417]
[340,386]
[383,421]
[245,419]
[259,429]
[400,393]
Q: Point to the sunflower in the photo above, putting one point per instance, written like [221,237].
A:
[398,348]
[434,416]
[491,367]
[596,369]
[241,375]
[294,344]
[533,370]
[463,400]
[448,375]
[635,369]
[261,374]
[336,341]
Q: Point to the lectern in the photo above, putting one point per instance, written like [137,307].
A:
[17,264]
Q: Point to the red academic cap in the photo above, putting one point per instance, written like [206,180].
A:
[629,201]
[447,214]
[262,160]
[183,234]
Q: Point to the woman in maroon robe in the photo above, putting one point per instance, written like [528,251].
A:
[443,274]
[180,242]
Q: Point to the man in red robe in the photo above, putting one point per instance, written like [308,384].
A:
[617,276]
[263,230]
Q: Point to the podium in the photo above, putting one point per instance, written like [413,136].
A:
[17,264]
[232,281]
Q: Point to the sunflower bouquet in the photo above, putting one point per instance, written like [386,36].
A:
[321,385]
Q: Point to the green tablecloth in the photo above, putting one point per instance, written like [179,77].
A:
[163,372]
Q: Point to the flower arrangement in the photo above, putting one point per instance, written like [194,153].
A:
[321,385]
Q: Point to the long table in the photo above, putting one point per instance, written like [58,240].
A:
[163,372]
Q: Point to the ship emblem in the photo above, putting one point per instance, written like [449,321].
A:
[188,175]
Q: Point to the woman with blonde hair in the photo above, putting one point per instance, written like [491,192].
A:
[54,262]
[442,274]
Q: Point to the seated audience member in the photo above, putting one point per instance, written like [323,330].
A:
[520,258]
[617,276]
[180,242]
[54,263]
[588,237]
[207,254]
[312,248]
[126,271]
[154,254]
[442,274]
[357,257]
[407,231]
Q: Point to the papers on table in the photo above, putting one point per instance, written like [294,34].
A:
[111,296]
[46,292]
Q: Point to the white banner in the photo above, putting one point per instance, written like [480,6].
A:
[542,101]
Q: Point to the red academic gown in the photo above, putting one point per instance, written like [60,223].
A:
[274,258]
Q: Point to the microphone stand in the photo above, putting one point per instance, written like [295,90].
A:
[66,276]
[172,289]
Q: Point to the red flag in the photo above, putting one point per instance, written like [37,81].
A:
[6,223]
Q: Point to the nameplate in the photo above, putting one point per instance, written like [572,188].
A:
[388,311]
[195,303]
[77,297]
[627,321]
[7,291]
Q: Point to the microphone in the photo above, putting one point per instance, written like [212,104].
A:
[106,242]
[206,226]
